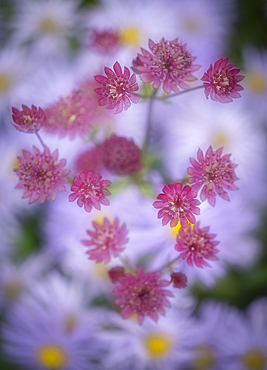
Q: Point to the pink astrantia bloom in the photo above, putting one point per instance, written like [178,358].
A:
[215,172]
[115,273]
[179,280]
[177,203]
[142,294]
[41,174]
[118,88]
[221,81]
[121,156]
[90,159]
[90,190]
[169,63]
[28,120]
[75,114]
[197,245]
[105,41]
[106,239]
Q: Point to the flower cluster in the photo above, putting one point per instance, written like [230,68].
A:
[41,174]
[106,239]
[177,203]
[90,191]
[214,173]
[143,294]
[118,90]
[28,120]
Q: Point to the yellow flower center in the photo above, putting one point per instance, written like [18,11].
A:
[254,359]
[220,139]
[100,271]
[5,82]
[205,359]
[192,24]
[158,344]
[49,25]
[256,81]
[130,36]
[52,357]
[13,288]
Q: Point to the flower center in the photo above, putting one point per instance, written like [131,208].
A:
[257,82]
[175,230]
[205,359]
[254,359]
[158,344]
[5,82]
[130,36]
[48,25]
[220,139]
[13,289]
[100,271]
[52,357]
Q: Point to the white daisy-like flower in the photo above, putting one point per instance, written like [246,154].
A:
[151,345]
[47,24]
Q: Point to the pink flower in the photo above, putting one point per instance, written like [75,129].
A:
[142,294]
[75,114]
[41,174]
[106,239]
[222,81]
[106,41]
[197,245]
[179,280]
[117,89]
[121,156]
[28,120]
[115,273]
[215,172]
[169,64]
[90,191]
[177,203]
[90,159]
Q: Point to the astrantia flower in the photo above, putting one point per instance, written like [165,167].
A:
[115,273]
[90,160]
[90,191]
[107,239]
[196,245]
[178,280]
[177,203]
[222,81]
[121,156]
[41,174]
[28,120]
[106,41]
[215,172]
[169,64]
[117,89]
[142,294]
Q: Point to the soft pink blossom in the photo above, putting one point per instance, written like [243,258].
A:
[28,120]
[118,88]
[221,81]
[197,245]
[106,240]
[121,156]
[169,63]
[41,174]
[214,173]
[115,273]
[105,41]
[143,294]
[179,280]
[177,203]
[90,190]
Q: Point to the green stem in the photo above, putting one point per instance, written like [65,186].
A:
[40,139]
[149,119]
[148,97]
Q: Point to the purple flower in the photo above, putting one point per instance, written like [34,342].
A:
[142,294]
[169,63]
[41,174]
[177,203]
[106,239]
[221,81]
[90,190]
[117,90]
[215,172]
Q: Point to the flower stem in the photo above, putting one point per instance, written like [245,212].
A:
[167,265]
[149,120]
[40,139]
[148,97]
